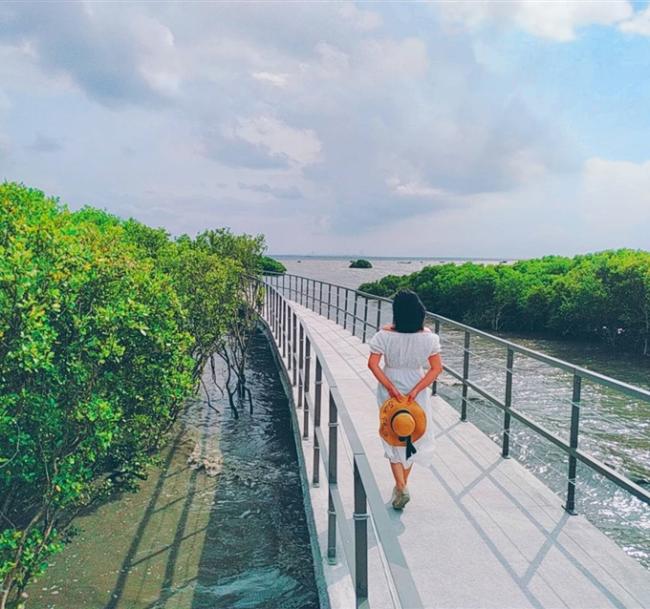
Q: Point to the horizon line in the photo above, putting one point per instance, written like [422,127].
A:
[357,256]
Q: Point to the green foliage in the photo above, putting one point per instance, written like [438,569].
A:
[105,326]
[94,363]
[602,295]
[270,265]
[360,264]
[245,249]
[207,285]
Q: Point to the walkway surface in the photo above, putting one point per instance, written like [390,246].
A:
[480,532]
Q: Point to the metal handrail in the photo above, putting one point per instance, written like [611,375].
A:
[602,379]
[579,373]
[295,340]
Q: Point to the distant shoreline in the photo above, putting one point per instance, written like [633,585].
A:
[354,257]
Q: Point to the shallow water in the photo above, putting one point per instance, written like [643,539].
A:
[186,540]
[613,428]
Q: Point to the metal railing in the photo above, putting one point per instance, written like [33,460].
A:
[294,342]
[361,312]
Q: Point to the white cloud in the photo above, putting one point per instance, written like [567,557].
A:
[638,24]
[616,196]
[158,59]
[361,19]
[333,62]
[278,192]
[301,146]
[414,189]
[557,21]
[605,205]
[277,79]
[389,57]
[112,55]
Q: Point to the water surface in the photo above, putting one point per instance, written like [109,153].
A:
[186,540]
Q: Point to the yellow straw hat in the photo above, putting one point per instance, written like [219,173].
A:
[401,423]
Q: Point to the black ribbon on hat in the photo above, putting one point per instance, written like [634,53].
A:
[410,449]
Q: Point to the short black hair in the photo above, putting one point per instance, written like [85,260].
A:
[408,312]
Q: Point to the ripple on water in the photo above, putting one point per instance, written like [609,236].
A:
[266,587]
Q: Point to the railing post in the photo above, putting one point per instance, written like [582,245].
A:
[354,315]
[302,290]
[338,290]
[307,373]
[266,303]
[329,299]
[573,443]
[365,320]
[378,314]
[345,313]
[301,370]
[289,333]
[320,299]
[463,409]
[294,348]
[505,448]
[360,517]
[276,313]
[332,479]
[283,288]
[318,393]
[284,327]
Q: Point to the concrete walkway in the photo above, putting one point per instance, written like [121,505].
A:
[480,532]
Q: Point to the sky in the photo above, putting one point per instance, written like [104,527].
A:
[475,129]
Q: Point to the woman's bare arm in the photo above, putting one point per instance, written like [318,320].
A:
[373,364]
[435,368]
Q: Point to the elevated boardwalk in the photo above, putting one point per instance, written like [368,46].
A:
[480,532]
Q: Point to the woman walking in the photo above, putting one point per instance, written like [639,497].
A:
[407,347]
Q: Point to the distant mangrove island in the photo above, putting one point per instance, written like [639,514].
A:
[360,264]
[603,295]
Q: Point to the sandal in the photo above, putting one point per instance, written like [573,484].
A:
[403,497]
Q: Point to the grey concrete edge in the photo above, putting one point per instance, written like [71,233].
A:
[321,582]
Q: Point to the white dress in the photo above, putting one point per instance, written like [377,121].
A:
[405,360]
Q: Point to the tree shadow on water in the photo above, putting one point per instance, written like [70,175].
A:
[142,556]
[256,552]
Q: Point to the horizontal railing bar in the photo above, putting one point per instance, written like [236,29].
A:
[638,491]
[353,438]
[631,487]
[486,394]
[404,585]
[612,475]
[332,306]
[390,544]
[602,379]
[457,375]
[343,524]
